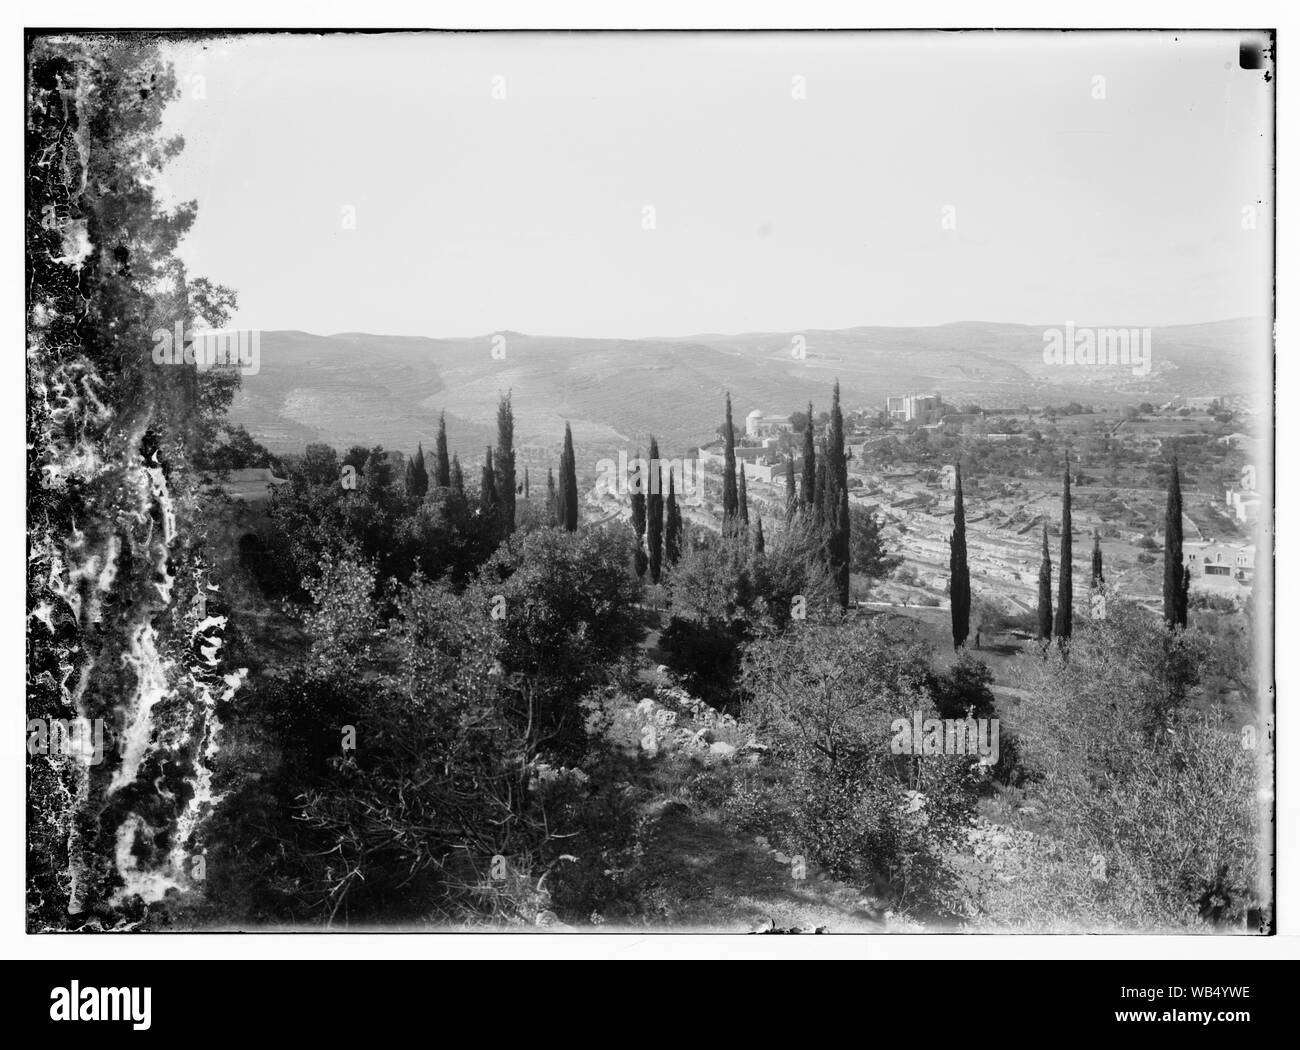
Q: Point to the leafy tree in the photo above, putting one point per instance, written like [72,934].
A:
[1154,803]
[830,696]
[867,554]
[561,605]
[238,452]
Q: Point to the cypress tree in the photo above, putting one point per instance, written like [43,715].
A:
[959,571]
[1045,592]
[837,502]
[819,490]
[417,483]
[807,484]
[456,476]
[553,498]
[525,483]
[655,514]
[1097,578]
[638,498]
[744,499]
[1065,583]
[489,500]
[569,483]
[442,468]
[759,545]
[730,500]
[1177,579]
[638,486]
[505,464]
[790,495]
[673,525]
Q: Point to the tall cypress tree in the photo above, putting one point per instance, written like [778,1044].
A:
[638,486]
[553,499]
[673,525]
[819,490]
[1065,584]
[525,483]
[959,571]
[505,464]
[655,514]
[569,483]
[837,501]
[638,498]
[744,499]
[759,544]
[807,481]
[1177,578]
[1097,578]
[730,499]
[489,500]
[456,476]
[442,468]
[790,494]
[1045,592]
[417,482]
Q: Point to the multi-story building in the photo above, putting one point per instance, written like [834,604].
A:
[1229,560]
[909,407]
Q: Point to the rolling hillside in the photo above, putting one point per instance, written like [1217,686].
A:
[370,389]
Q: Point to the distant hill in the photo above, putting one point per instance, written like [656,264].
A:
[355,388]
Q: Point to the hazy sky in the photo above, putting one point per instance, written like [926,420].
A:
[476,213]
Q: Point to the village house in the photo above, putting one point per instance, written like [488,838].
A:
[1226,560]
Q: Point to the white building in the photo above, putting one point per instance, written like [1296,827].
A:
[757,424]
[1244,504]
[908,407]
